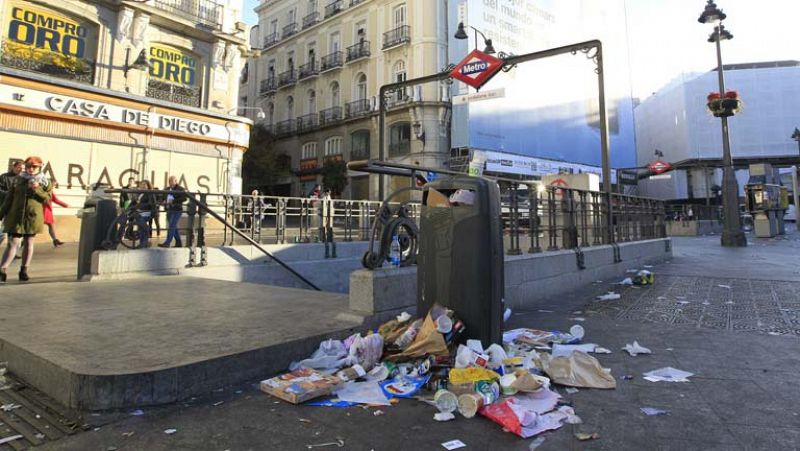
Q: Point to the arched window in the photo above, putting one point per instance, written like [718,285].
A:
[335,94]
[361,87]
[333,146]
[309,151]
[290,108]
[312,102]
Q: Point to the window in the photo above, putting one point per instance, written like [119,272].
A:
[333,146]
[361,87]
[273,26]
[290,60]
[309,151]
[335,94]
[399,139]
[312,6]
[311,52]
[361,31]
[292,16]
[271,69]
[335,42]
[359,148]
[399,71]
[399,15]
[312,102]
[290,108]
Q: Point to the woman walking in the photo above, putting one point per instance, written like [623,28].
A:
[49,220]
[22,213]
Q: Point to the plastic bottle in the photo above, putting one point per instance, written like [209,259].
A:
[394,255]
[409,335]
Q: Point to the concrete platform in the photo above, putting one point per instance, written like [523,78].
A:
[143,342]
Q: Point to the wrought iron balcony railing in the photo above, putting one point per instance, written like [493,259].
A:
[286,78]
[183,95]
[331,61]
[398,36]
[306,122]
[284,128]
[46,62]
[310,20]
[268,85]
[309,69]
[204,12]
[396,98]
[289,30]
[358,51]
[270,39]
[330,116]
[355,2]
[334,8]
[357,108]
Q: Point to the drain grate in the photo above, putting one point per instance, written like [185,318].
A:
[34,416]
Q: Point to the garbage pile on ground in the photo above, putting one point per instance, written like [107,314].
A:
[514,384]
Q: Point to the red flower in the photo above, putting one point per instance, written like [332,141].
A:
[731,95]
[713,96]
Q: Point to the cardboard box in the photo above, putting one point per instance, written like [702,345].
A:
[300,386]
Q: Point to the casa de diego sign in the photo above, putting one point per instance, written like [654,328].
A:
[477,68]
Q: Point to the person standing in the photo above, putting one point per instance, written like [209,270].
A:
[23,214]
[49,220]
[6,181]
[174,206]
[125,199]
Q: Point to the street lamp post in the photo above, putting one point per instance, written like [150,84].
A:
[795,188]
[732,235]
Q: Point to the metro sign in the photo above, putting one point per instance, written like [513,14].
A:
[659,167]
[477,68]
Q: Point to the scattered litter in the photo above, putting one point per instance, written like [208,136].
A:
[654,412]
[170,431]
[9,439]
[453,444]
[584,436]
[545,311]
[577,332]
[218,403]
[507,315]
[304,420]
[571,417]
[339,442]
[444,416]
[378,413]
[40,436]
[96,429]
[725,286]
[729,303]
[560,350]
[610,296]
[626,281]
[670,349]
[537,442]
[363,393]
[9,407]
[627,377]
[599,350]
[579,319]
[300,386]
[668,374]
[577,312]
[684,302]
[137,412]
[636,349]
[706,303]
[774,334]
[647,266]
[127,434]
[632,271]
[572,390]
[577,370]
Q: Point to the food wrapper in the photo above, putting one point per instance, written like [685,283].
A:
[471,375]
[577,370]
[300,386]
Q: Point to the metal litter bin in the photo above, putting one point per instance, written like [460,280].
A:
[97,216]
[460,261]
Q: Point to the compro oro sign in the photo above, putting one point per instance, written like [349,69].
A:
[173,66]
[47,40]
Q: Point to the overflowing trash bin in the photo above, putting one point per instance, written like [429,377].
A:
[96,217]
[460,260]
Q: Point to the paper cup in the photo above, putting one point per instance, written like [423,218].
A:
[444,324]
[446,401]
[469,404]
[577,331]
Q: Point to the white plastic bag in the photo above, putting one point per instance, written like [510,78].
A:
[330,357]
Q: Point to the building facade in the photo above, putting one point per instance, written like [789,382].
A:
[108,90]
[317,77]
[675,122]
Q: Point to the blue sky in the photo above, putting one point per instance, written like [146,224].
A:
[666,39]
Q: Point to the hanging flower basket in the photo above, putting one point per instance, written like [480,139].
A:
[724,106]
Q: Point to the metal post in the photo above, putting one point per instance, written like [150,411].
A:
[604,142]
[732,235]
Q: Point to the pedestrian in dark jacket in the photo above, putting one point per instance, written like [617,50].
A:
[174,206]
[6,182]
[22,213]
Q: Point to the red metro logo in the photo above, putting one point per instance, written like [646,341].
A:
[659,167]
[477,68]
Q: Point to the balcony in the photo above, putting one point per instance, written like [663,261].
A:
[330,116]
[357,108]
[397,98]
[399,148]
[333,8]
[287,78]
[398,36]
[270,39]
[307,70]
[289,30]
[204,12]
[358,51]
[331,61]
[355,2]
[268,86]
[284,128]
[45,62]
[183,95]
[310,20]
[306,123]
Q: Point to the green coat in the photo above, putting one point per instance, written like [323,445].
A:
[22,210]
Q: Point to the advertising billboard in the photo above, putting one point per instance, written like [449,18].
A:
[173,65]
[47,39]
[550,107]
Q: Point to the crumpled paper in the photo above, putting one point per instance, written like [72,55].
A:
[577,370]
[428,342]
[636,349]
